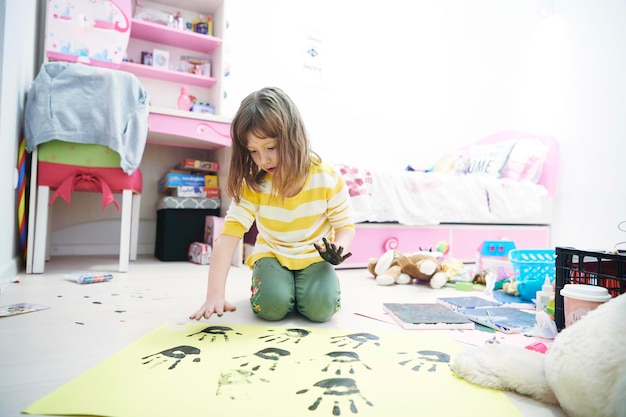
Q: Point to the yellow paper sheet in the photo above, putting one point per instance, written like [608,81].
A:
[200,370]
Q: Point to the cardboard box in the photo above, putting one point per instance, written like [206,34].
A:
[197,165]
[193,191]
[199,253]
[175,179]
[210,181]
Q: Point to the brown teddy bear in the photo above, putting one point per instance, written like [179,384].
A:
[396,268]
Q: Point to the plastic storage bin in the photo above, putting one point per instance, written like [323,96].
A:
[575,266]
[530,267]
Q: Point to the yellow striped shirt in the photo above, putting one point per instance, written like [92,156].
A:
[288,229]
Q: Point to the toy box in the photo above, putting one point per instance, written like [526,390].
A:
[199,253]
[531,266]
[575,266]
[210,181]
[195,165]
[174,179]
[193,191]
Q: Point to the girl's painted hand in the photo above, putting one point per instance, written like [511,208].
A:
[212,306]
[331,253]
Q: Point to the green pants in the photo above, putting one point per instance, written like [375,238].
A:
[276,291]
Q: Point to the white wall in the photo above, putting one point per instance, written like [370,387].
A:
[402,82]
[18,20]
[584,110]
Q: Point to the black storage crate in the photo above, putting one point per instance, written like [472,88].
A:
[575,266]
[177,229]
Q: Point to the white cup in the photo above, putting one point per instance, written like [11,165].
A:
[579,299]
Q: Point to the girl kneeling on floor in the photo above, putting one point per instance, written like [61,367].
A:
[302,211]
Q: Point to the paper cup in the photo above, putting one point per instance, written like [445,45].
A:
[579,299]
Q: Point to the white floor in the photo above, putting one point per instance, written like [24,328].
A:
[85,324]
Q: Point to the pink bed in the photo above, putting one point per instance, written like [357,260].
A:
[500,187]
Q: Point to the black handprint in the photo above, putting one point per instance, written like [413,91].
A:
[342,360]
[331,253]
[178,353]
[431,356]
[267,356]
[358,338]
[338,390]
[215,331]
[286,335]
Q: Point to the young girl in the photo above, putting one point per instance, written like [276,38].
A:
[302,212]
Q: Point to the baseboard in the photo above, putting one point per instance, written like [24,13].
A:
[79,249]
[10,270]
[100,238]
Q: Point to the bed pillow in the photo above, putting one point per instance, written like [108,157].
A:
[488,160]
[526,160]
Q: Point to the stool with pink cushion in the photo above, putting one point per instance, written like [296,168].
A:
[65,168]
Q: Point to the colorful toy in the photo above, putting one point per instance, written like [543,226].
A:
[394,267]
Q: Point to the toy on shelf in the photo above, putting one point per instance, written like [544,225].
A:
[195,65]
[184,99]
[203,25]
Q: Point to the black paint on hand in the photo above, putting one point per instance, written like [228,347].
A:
[332,253]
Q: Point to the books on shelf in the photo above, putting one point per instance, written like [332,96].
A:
[426,316]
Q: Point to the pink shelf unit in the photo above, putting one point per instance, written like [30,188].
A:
[184,39]
[59,56]
[189,132]
[149,71]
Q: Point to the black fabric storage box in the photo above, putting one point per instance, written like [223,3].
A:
[181,222]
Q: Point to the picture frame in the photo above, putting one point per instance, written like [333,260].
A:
[199,65]
[161,59]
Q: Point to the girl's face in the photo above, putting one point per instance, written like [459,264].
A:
[263,152]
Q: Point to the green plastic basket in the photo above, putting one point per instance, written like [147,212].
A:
[531,266]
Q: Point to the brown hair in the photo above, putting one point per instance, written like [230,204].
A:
[269,113]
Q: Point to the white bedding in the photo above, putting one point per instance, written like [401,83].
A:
[426,198]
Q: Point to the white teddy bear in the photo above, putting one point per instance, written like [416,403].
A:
[584,371]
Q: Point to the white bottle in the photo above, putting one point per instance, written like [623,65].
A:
[542,298]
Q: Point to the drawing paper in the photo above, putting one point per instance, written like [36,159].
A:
[505,319]
[200,370]
[426,316]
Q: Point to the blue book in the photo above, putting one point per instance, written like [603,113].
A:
[457,303]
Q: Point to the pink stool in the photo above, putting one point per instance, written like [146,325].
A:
[65,179]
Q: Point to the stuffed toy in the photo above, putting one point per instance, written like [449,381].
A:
[455,270]
[394,267]
[583,371]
